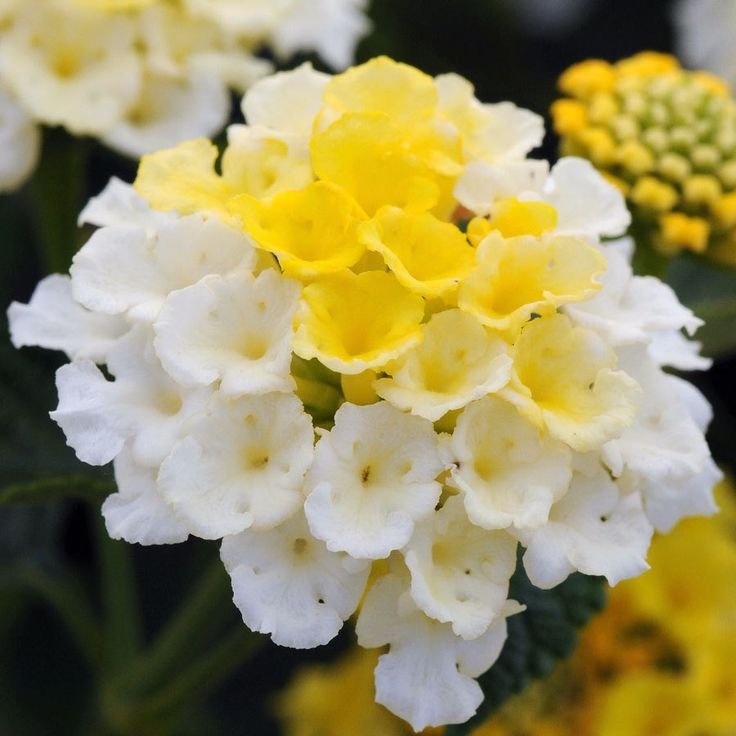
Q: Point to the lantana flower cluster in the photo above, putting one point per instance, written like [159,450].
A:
[373,348]
[144,74]
[667,138]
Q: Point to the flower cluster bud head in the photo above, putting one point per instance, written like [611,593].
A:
[144,74]
[666,137]
[376,336]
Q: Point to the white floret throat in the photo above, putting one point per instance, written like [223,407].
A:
[211,435]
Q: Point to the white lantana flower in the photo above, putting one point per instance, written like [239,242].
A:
[143,76]
[585,203]
[460,572]
[20,142]
[119,204]
[137,512]
[595,529]
[372,478]
[331,27]
[235,328]
[426,678]
[142,405]
[128,269]
[70,66]
[458,361]
[171,110]
[53,320]
[508,472]
[288,584]
[664,454]
[240,465]
[632,309]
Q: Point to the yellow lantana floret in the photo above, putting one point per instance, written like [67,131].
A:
[426,255]
[458,361]
[312,231]
[385,86]
[263,165]
[183,178]
[366,154]
[352,323]
[565,380]
[520,276]
[512,217]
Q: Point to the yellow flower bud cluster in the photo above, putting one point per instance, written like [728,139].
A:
[666,137]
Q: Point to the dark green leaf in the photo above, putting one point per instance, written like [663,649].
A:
[710,291]
[50,488]
[538,638]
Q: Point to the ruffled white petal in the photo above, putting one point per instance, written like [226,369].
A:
[127,269]
[426,678]
[634,309]
[136,512]
[53,320]
[142,405]
[287,584]
[234,328]
[586,203]
[119,204]
[671,348]
[85,87]
[459,572]
[20,142]
[169,111]
[373,476]
[664,440]
[332,28]
[594,529]
[241,465]
[286,102]
[508,472]
[481,184]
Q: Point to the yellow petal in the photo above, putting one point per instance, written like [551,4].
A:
[183,178]
[511,217]
[385,86]
[520,276]
[426,255]
[263,165]
[311,230]
[355,322]
[369,156]
[564,380]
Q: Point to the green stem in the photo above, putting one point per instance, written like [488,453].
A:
[207,611]
[67,598]
[194,684]
[57,192]
[119,601]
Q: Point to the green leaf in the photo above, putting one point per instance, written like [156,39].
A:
[537,638]
[709,290]
[50,488]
